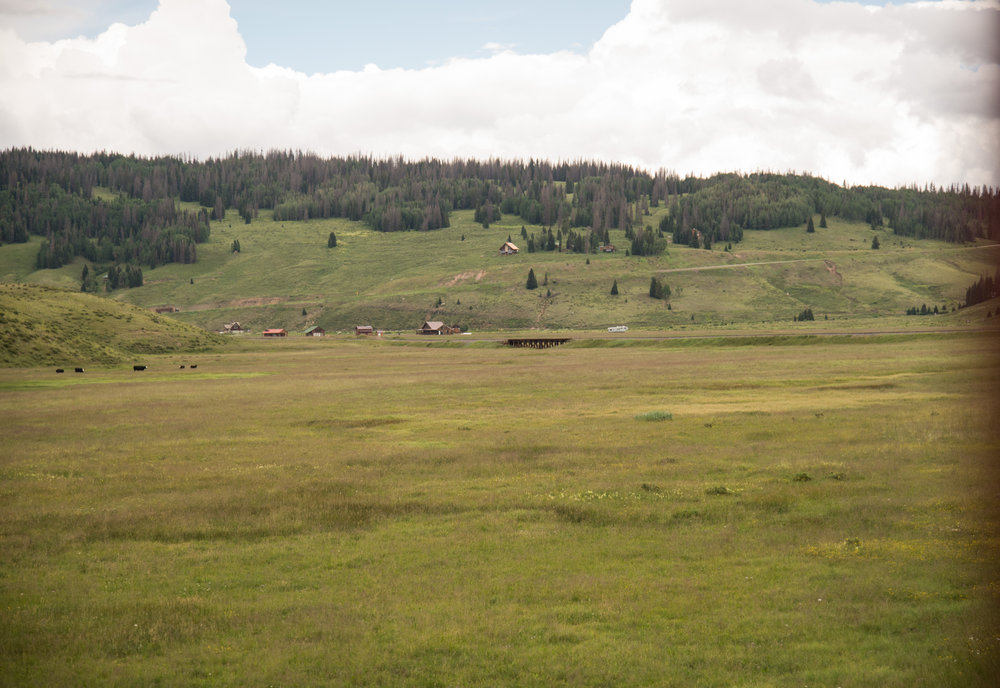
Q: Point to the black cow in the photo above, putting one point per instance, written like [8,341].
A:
[182,367]
[138,367]
[78,370]
[60,370]
[194,366]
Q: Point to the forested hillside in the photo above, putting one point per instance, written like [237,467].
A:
[52,194]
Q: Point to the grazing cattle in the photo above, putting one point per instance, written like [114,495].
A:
[182,367]
[137,367]
[78,370]
[194,366]
[60,370]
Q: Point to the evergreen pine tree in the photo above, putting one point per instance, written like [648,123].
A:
[875,244]
[88,281]
[822,221]
[532,282]
[809,225]
[331,241]
[656,289]
[614,288]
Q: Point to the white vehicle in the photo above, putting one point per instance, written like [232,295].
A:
[618,328]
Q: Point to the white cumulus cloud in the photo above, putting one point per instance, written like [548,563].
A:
[891,95]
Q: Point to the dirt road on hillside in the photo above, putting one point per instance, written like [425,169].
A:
[795,260]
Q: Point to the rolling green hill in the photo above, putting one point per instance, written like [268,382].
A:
[395,280]
[419,240]
[45,326]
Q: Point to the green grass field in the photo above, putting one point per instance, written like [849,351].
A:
[394,281]
[767,512]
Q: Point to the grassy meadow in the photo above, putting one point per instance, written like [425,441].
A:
[336,512]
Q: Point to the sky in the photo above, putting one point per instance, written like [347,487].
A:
[890,93]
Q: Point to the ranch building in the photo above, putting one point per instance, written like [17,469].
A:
[315,331]
[275,333]
[508,249]
[436,327]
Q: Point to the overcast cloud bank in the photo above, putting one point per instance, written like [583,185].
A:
[892,95]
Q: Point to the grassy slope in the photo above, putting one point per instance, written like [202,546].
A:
[393,281]
[46,326]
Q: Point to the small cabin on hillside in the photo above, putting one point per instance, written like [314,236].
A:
[166,309]
[315,331]
[508,249]
[364,330]
[608,248]
[275,333]
[232,327]
[436,327]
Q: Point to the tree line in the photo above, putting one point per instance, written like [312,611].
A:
[721,207]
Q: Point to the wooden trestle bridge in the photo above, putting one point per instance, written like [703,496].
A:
[536,342]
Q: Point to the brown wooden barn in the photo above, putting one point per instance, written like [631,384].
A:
[437,327]
[508,249]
